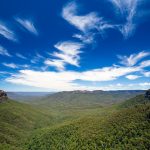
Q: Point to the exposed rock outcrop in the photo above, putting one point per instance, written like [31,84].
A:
[3,96]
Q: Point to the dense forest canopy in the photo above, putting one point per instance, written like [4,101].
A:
[47,125]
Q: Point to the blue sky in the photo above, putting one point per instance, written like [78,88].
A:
[55,45]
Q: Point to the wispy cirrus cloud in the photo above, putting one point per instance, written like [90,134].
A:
[15,66]
[86,38]
[58,64]
[126,9]
[85,23]
[10,65]
[68,53]
[7,33]
[20,56]
[4,52]
[27,24]
[5,73]
[37,58]
[133,58]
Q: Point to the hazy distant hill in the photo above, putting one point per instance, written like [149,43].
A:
[86,98]
[27,96]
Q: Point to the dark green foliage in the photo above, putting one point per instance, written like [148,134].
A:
[126,129]
[71,125]
[147,94]
[140,99]
[129,128]
[3,96]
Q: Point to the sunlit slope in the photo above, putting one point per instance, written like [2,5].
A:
[17,120]
[127,128]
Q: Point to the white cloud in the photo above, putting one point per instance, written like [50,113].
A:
[37,58]
[59,64]
[4,52]
[83,23]
[20,56]
[15,66]
[133,59]
[24,66]
[127,29]
[136,86]
[69,48]
[145,63]
[127,10]
[107,73]
[65,80]
[146,74]
[119,84]
[132,77]
[86,23]
[10,65]
[7,33]
[70,59]
[28,25]
[68,53]
[145,84]
[86,38]
[5,73]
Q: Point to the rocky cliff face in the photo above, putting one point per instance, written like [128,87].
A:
[3,96]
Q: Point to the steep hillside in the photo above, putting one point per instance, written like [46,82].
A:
[17,120]
[128,128]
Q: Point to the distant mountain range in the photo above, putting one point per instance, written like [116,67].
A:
[77,99]
[27,96]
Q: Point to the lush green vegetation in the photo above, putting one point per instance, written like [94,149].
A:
[17,120]
[126,129]
[74,126]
